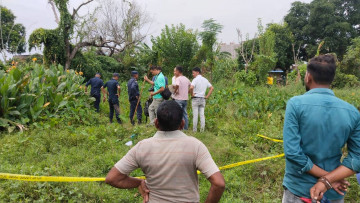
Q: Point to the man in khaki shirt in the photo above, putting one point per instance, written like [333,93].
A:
[170,160]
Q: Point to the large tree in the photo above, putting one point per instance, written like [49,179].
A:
[12,34]
[113,31]
[284,41]
[208,49]
[351,61]
[176,45]
[333,21]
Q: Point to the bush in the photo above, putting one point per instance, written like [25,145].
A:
[224,69]
[262,65]
[345,80]
[248,78]
[291,77]
[32,92]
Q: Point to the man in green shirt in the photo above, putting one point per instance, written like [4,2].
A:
[159,86]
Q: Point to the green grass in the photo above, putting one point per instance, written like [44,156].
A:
[234,117]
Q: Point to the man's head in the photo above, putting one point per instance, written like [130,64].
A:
[98,75]
[178,71]
[169,116]
[116,76]
[196,71]
[135,74]
[155,70]
[320,72]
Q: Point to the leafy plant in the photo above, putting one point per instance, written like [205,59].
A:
[32,92]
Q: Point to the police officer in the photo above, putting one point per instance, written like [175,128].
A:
[96,84]
[113,92]
[134,95]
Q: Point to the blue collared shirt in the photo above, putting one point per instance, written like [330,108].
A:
[112,87]
[96,84]
[133,89]
[316,128]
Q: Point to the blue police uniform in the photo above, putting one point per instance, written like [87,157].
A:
[112,86]
[133,92]
[96,84]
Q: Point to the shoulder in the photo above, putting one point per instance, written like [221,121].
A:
[348,106]
[296,100]
[194,141]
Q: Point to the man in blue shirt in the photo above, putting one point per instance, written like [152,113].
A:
[159,86]
[113,93]
[96,84]
[317,126]
[134,96]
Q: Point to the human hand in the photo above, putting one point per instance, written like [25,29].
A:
[206,97]
[144,191]
[146,78]
[317,191]
[341,186]
[152,94]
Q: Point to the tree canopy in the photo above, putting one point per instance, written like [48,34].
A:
[334,21]
[12,34]
[176,45]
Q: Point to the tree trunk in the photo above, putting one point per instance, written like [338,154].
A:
[67,64]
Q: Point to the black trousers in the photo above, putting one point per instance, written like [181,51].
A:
[114,107]
[97,102]
[133,104]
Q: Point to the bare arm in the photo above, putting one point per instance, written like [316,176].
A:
[148,80]
[339,174]
[158,92]
[317,171]
[191,91]
[104,93]
[119,180]
[118,90]
[217,188]
[176,89]
[210,92]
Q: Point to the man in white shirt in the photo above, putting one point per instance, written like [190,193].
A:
[198,90]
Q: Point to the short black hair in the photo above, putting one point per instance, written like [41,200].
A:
[197,69]
[322,68]
[169,115]
[179,68]
[155,68]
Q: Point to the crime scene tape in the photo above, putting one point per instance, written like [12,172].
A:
[268,138]
[8,176]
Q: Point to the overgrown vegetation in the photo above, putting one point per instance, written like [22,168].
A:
[31,92]
[59,134]
[235,114]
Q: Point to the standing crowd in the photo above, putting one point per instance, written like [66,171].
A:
[180,89]
[317,126]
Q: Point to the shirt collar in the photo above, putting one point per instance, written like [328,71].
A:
[321,91]
[169,134]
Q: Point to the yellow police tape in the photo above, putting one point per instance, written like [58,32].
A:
[9,176]
[272,139]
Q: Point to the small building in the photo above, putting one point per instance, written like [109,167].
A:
[230,48]
[278,75]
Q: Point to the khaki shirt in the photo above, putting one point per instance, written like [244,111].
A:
[170,161]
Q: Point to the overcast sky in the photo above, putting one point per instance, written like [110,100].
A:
[231,14]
